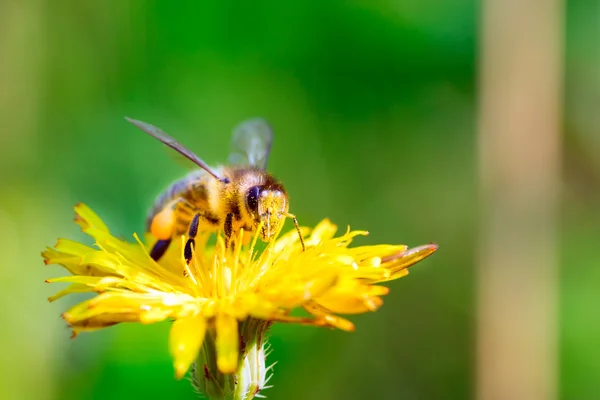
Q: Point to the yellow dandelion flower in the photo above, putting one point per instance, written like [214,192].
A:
[223,301]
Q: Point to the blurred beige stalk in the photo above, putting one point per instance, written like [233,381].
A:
[519,155]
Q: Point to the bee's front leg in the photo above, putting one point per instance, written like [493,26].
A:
[191,242]
[193,231]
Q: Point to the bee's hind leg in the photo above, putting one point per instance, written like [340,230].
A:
[164,223]
[228,229]
[159,249]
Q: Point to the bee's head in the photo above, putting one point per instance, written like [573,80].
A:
[269,205]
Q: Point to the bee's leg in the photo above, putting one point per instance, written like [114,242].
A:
[228,229]
[159,249]
[191,242]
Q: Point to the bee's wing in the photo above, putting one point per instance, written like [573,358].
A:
[158,134]
[251,143]
[180,159]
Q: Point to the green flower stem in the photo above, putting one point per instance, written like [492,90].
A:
[251,375]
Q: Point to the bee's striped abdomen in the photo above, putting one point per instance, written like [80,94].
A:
[174,191]
[186,197]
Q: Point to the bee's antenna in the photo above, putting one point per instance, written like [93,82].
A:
[293,217]
[157,133]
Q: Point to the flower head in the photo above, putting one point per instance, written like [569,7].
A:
[224,299]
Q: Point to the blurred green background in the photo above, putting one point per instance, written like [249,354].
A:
[374,108]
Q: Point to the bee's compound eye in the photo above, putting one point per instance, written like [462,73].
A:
[252,198]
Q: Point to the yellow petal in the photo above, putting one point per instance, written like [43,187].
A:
[352,297]
[99,321]
[71,247]
[398,262]
[323,314]
[106,262]
[323,231]
[411,256]
[127,306]
[394,275]
[103,283]
[87,280]
[293,292]
[154,315]
[379,250]
[69,254]
[227,343]
[368,273]
[356,305]
[339,322]
[186,337]
[288,240]
[73,288]
[255,305]
[88,220]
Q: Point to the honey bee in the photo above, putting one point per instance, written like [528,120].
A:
[228,197]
